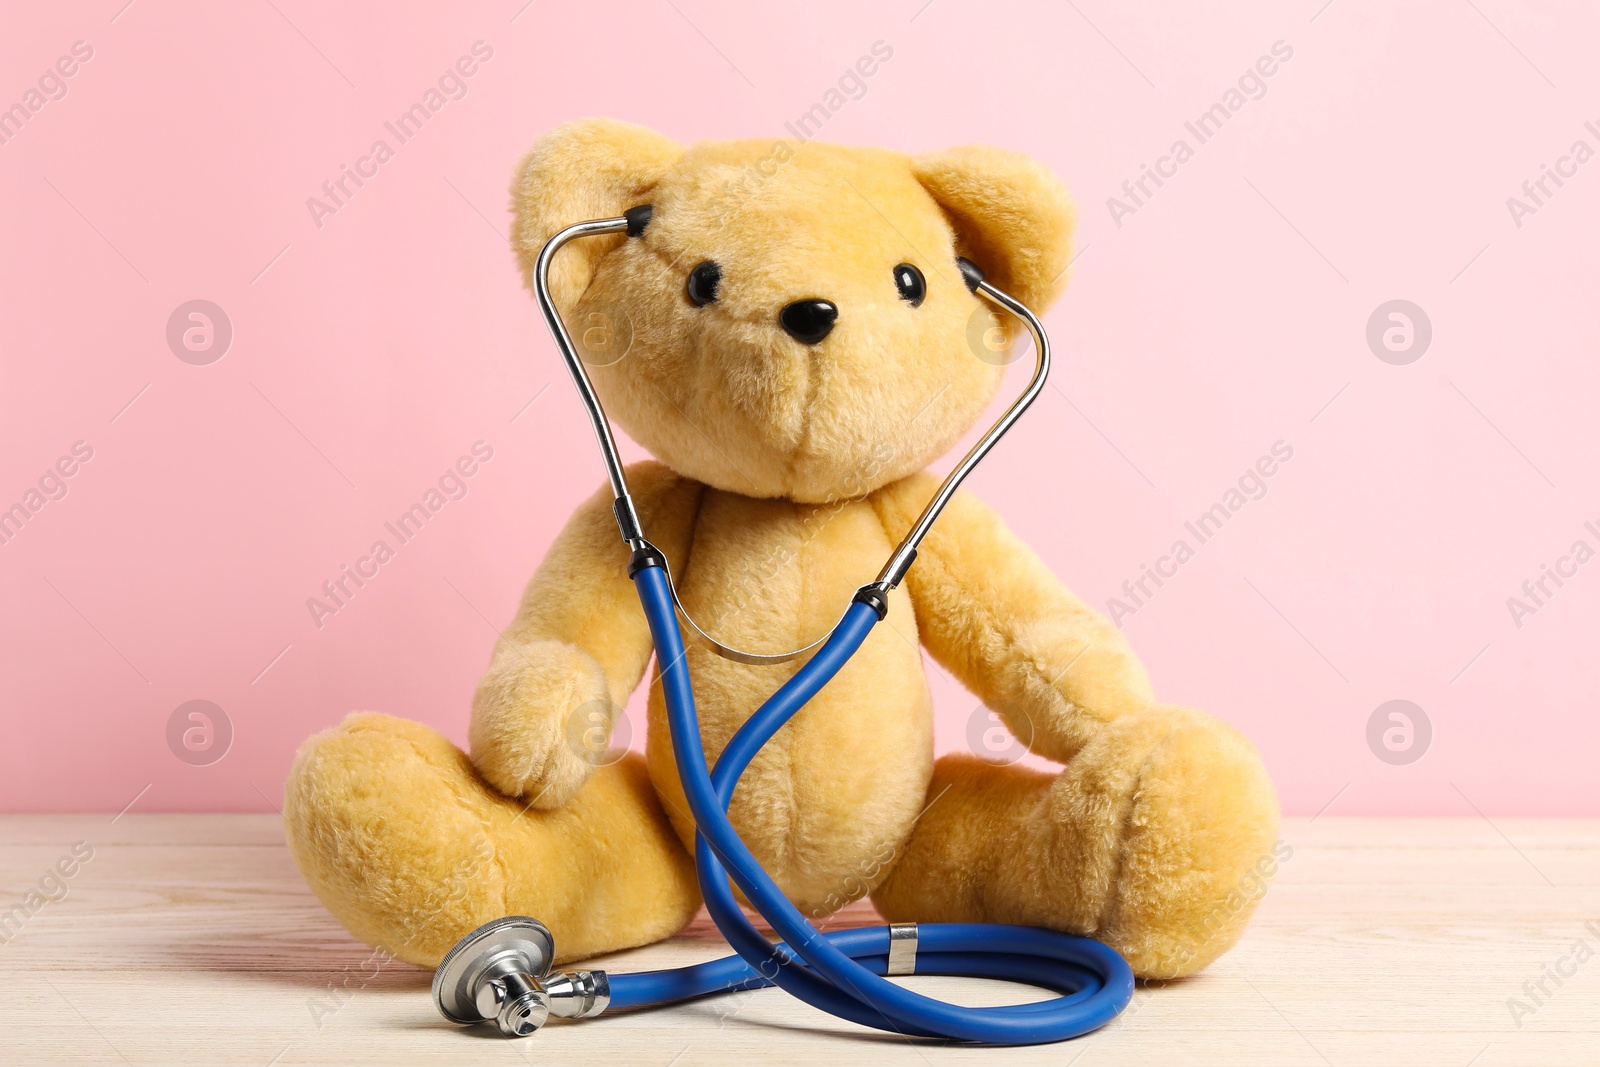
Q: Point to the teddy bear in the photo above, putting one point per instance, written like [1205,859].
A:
[799,350]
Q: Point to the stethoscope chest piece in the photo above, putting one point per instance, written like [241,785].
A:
[494,972]
[501,971]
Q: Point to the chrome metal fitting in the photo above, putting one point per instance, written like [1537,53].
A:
[501,971]
[902,949]
[578,994]
[516,1002]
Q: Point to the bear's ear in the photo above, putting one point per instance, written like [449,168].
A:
[589,169]
[1011,216]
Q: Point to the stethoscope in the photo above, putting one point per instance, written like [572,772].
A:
[502,970]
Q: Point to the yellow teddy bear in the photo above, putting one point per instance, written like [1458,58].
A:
[800,350]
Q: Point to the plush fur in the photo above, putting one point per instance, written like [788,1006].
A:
[787,473]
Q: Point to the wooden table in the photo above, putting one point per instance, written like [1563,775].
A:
[191,939]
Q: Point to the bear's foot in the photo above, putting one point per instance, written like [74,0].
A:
[409,848]
[1158,838]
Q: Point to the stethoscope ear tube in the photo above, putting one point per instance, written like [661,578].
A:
[633,223]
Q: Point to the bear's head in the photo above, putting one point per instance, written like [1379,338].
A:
[791,322]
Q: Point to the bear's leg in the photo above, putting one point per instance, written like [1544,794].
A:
[408,847]
[1158,838]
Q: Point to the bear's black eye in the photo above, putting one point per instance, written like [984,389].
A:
[908,280]
[702,287]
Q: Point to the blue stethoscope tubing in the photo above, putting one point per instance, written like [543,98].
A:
[841,972]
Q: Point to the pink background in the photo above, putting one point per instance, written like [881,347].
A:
[1229,312]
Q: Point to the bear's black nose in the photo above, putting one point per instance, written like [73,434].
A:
[808,321]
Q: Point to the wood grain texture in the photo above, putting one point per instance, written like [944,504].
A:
[191,939]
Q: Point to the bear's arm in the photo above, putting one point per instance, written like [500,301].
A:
[992,614]
[578,646]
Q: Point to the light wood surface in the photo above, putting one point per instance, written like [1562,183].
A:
[191,939]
